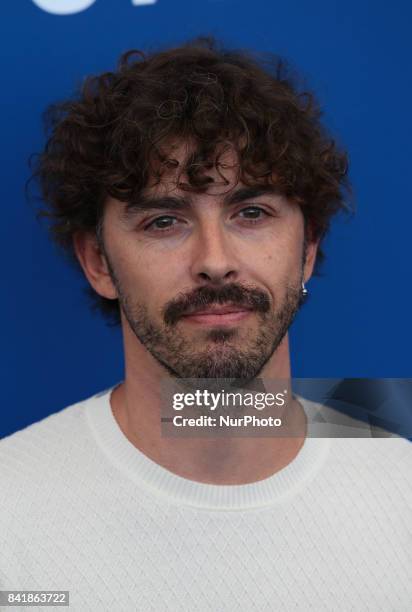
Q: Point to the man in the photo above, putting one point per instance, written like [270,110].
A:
[194,188]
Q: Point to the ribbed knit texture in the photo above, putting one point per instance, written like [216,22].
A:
[83,510]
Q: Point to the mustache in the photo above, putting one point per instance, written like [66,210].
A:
[208,296]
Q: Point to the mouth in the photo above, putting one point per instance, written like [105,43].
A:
[218,315]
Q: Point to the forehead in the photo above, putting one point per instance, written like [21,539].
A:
[182,173]
[216,173]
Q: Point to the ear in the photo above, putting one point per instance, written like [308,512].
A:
[94,264]
[311,252]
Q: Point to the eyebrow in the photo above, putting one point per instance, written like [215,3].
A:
[148,203]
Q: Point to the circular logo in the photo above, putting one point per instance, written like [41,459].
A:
[64,7]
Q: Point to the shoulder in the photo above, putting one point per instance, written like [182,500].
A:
[36,442]
[42,468]
[35,458]
[357,449]
[374,472]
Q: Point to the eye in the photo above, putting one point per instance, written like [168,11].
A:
[159,223]
[254,209]
[165,223]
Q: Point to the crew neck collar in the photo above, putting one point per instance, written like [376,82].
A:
[147,473]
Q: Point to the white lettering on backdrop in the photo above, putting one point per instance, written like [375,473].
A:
[68,7]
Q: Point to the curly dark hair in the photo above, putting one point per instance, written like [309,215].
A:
[110,138]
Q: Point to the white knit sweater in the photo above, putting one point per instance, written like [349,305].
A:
[83,510]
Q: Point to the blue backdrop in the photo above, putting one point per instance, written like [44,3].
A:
[355,54]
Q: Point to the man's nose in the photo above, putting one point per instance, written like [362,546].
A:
[213,258]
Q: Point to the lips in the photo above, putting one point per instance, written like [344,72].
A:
[218,310]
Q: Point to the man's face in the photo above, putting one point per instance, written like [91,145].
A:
[224,249]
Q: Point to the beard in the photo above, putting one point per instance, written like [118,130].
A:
[234,352]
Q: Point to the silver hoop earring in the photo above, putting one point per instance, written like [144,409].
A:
[304,290]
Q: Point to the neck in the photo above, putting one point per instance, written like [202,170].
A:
[224,460]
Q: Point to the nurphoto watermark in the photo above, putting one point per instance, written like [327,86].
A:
[334,408]
[218,407]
